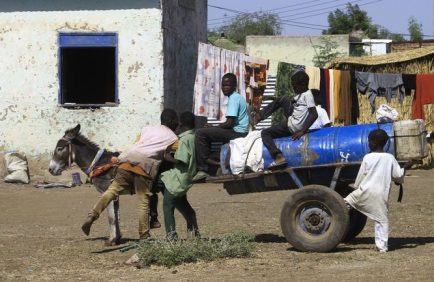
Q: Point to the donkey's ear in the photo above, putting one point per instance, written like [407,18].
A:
[73,132]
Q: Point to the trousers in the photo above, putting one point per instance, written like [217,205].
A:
[275,131]
[126,180]
[170,202]
[381,235]
[279,130]
[203,139]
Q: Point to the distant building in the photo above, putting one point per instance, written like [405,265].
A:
[292,49]
[410,45]
[223,42]
[374,47]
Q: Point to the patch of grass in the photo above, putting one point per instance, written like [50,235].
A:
[174,252]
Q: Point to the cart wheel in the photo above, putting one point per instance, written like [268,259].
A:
[356,225]
[314,219]
[357,219]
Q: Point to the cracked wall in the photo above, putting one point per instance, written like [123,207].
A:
[30,118]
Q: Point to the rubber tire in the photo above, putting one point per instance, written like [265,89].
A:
[357,219]
[319,196]
[356,225]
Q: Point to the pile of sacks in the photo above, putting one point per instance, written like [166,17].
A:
[16,167]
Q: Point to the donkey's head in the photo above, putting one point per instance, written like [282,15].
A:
[63,155]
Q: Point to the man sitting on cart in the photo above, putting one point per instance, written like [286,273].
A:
[300,112]
[235,126]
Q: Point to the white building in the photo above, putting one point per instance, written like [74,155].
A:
[109,65]
[375,47]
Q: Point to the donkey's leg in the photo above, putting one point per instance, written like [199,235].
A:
[117,212]
[112,224]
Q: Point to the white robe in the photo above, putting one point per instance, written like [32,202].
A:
[373,185]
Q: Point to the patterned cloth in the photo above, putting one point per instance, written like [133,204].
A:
[212,64]
[207,86]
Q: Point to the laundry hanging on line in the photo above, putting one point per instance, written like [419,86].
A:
[213,63]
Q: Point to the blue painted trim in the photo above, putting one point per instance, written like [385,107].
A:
[80,39]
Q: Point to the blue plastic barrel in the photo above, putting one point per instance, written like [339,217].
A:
[325,146]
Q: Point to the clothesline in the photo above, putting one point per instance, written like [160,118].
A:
[339,89]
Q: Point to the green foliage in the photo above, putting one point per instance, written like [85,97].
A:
[386,34]
[257,23]
[397,37]
[415,30]
[353,19]
[174,252]
[213,36]
[325,52]
[283,83]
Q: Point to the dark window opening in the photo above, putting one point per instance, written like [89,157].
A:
[88,75]
[88,70]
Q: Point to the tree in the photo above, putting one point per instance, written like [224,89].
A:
[386,34]
[415,30]
[325,52]
[353,19]
[258,23]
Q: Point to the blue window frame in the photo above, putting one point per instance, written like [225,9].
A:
[88,70]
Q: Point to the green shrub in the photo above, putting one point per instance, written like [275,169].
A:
[174,252]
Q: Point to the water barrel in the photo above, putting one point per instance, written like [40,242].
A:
[324,146]
[410,139]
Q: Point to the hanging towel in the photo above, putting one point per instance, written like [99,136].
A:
[322,89]
[246,153]
[389,83]
[409,83]
[336,93]
[380,85]
[355,111]
[327,90]
[344,98]
[233,62]
[424,94]
[314,77]
[331,96]
[206,98]
[212,64]
[255,78]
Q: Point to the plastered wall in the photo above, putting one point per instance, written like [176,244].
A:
[31,120]
[291,49]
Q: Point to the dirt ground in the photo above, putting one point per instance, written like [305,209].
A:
[41,240]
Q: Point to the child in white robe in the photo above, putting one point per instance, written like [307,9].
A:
[376,173]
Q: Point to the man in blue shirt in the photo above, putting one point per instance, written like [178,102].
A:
[235,126]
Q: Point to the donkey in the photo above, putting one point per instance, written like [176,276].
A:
[75,148]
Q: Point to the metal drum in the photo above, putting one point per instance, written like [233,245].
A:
[324,146]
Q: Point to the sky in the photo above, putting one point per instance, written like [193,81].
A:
[309,17]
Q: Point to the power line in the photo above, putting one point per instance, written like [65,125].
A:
[293,23]
[322,9]
[270,10]
[290,21]
[363,4]
[310,6]
[308,27]
[302,13]
[226,9]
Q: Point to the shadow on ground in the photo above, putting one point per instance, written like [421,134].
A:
[396,243]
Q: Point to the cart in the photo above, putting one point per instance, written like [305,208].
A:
[314,217]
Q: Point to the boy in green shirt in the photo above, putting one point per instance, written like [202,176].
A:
[178,180]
